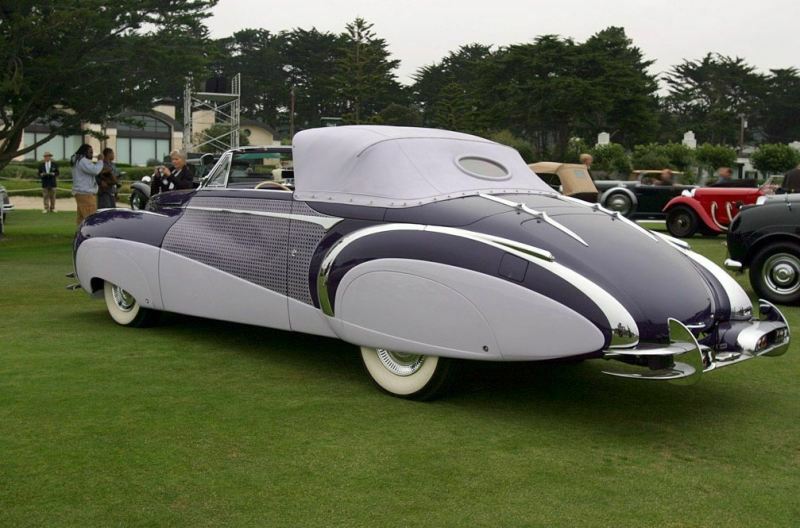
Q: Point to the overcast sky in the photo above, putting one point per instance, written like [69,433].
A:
[764,32]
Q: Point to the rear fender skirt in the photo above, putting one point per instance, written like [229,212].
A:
[477,252]
[430,308]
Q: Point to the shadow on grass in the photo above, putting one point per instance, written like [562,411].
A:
[566,395]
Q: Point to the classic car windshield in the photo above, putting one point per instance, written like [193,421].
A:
[248,169]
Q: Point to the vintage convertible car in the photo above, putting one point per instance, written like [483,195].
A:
[643,197]
[569,179]
[766,239]
[707,209]
[423,247]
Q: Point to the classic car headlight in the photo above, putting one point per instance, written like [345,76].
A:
[761,200]
[688,193]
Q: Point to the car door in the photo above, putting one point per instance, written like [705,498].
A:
[226,257]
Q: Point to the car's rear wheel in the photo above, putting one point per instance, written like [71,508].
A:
[775,273]
[411,376]
[619,201]
[125,310]
[682,222]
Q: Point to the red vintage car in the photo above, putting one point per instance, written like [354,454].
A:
[707,209]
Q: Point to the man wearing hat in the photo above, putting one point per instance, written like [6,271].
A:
[48,172]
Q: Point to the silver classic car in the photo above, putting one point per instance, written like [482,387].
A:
[422,247]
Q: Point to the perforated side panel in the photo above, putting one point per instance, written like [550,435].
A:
[253,248]
[303,240]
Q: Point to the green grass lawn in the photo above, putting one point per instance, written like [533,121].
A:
[202,423]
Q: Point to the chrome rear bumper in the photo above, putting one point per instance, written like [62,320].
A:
[685,360]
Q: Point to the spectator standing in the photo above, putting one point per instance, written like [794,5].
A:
[84,180]
[107,181]
[179,177]
[724,177]
[587,159]
[48,172]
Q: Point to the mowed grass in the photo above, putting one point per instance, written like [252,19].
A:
[202,423]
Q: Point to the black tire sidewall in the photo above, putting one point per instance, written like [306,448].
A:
[756,272]
[672,216]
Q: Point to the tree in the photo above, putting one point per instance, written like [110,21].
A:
[207,143]
[365,77]
[708,95]
[781,113]
[120,55]
[676,156]
[712,157]
[505,137]
[398,115]
[611,159]
[259,56]
[775,158]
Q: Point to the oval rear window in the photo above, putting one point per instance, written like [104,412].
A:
[483,168]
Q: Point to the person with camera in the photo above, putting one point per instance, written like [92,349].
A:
[84,180]
[170,179]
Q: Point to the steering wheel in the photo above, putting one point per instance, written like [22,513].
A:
[273,185]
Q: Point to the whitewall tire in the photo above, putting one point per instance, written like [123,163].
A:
[409,376]
[124,309]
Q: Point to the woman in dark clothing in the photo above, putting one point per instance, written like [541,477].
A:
[179,177]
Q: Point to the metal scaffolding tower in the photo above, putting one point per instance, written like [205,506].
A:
[225,108]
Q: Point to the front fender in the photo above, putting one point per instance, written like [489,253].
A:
[701,213]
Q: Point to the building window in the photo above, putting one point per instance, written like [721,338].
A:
[62,147]
[140,145]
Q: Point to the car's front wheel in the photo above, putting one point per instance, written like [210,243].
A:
[138,199]
[411,376]
[682,222]
[775,273]
[125,310]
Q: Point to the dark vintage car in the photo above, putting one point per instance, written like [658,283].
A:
[765,239]
[423,247]
[642,197]
[709,210]
[569,179]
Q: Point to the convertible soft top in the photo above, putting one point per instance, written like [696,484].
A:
[385,166]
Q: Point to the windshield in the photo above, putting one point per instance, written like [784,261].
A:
[248,169]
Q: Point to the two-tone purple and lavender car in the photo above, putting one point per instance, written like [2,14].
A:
[422,247]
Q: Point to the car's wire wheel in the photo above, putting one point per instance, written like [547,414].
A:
[682,222]
[412,376]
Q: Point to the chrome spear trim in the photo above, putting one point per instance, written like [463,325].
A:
[538,215]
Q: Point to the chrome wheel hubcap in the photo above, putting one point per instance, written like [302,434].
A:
[781,273]
[400,363]
[122,299]
[618,203]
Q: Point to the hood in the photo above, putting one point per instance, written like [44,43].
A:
[651,278]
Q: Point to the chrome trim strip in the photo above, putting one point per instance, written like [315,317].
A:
[677,242]
[714,217]
[326,222]
[613,214]
[625,332]
[538,215]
